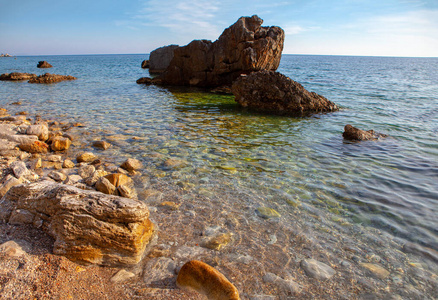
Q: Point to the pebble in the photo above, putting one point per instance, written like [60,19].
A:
[267,213]
[159,269]
[317,269]
[12,249]
[288,285]
[68,164]
[376,270]
[57,176]
[219,241]
[86,157]
[121,276]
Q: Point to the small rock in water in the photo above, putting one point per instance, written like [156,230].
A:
[377,270]
[121,276]
[219,241]
[86,171]
[68,164]
[132,164]
[170,205]
[287,285]
[267,213]
[272,239]
[316,269]
[198,276]
[57,176]
[60,143]
[101,145]
[159,269]
[86,157]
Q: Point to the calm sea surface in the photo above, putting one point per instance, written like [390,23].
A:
[298,166]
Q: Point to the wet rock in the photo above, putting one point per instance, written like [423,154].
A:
[145,64]
[101,145]
[316,269]
[54,158]
[86,157]
[132,164]
[267,213]
[44,64]
[242,48]
[202,278]
[148,81]
[125,191]
[160,58]
[170,205]
[12,249]
[272,92]
[287,285]
[158,270]
[35,163]
[122,276]
[34,147]
[60,143]
[86,171]
[219,241]
[41,131]
[376,270]
[355,134]
[57,176]
[91,180]
[51,78]
[119,179]
[87,226]
[68,164]
[15,76]
[420,250]
[103,185]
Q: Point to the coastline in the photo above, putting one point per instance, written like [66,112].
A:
[193,226]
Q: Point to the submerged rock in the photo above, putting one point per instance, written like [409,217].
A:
[15,76]
[317,269]
[272,92]
[87,226]
[355,134]
[242,48]
[51,78]
[202,278]
[44,64]
[160,58]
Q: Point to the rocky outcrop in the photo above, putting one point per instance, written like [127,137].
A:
[87,226]
[15,76]
[145,64]
[51,78]
[272,92]
[355,134]
[242,48]
[160,58]
[202,278]
[44,64]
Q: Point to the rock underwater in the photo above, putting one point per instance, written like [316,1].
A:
[273,92]
[242,48]
[88,226]
[355,134]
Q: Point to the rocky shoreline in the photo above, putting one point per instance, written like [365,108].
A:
[238,245]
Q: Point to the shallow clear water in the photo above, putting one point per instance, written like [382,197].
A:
[291,164]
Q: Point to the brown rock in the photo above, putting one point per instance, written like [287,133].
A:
[272,92]
[101,145]
[355,134]
[60,143]
[202,278]
[118,179]
[131,164]
[148,81]
[86,157]
[103,185]
[34,147]
[160,58]
[242,48]
[68,164]
[44,64]
[41,131]
[145,64]
[15,76]
[51,78]
[88,226]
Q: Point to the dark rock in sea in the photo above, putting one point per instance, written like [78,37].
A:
[272,92]
[51,78]
[355,134]
[145,64]
[244,47]
[43,64]
[160,58]
[15,76]
[148,80]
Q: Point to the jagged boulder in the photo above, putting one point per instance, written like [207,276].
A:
[44,64]
[273,92]
[355,134]
[160,58]
[244,47]
[145,64]
[15,76]
[51,78]
[88,226]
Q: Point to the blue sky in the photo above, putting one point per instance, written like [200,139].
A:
[338,27]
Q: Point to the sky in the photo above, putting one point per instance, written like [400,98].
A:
[322,27]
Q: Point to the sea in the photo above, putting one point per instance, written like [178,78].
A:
[376,196]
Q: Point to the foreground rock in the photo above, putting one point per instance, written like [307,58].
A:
[88,226]
[272,92]
[160,58]
[355,134]
[44,64]
[15,76]
[242,48]
[51,78]
[202,278]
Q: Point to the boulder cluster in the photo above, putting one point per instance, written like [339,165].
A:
[33,78]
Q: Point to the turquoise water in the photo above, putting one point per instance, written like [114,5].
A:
[299,166]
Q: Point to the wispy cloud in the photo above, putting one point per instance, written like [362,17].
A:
[293,29]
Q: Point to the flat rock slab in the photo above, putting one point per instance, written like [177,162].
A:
[88,226]
[317,269]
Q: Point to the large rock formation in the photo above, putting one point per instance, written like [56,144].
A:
[242,48]
[160,58]
[272,92]
[51,78]
[88,226]
[15,76]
